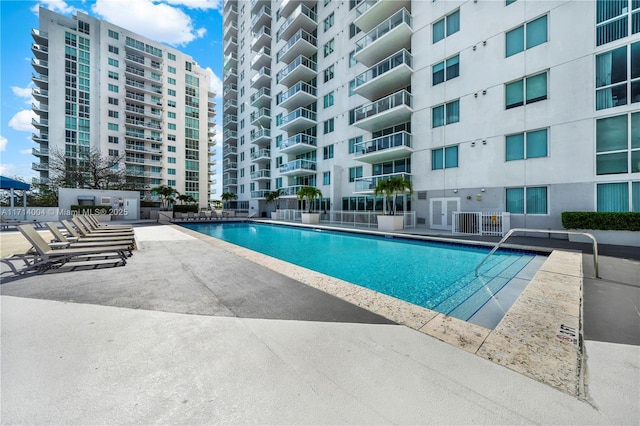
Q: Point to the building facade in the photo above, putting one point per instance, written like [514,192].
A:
[527,107]
[99,86]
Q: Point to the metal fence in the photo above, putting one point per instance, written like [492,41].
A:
[346,217]
[481,223]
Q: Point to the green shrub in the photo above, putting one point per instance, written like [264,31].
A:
[90,209]
[185,208]
[605,221]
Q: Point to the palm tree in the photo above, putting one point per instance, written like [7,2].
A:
[166,194]
[390,188]
[273,197]
[309,193]
[228,196]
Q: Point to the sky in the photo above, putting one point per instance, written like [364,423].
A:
[191,26]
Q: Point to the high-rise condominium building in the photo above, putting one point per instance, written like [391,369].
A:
[527,107]
[102,87]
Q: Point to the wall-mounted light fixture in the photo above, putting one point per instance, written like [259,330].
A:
[484,142]
[473,144]
[455,191]
[484,92]
[482,190]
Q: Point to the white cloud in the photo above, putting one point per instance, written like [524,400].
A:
[215,83]
[198,4]
[25,151]
[22,120]
[24,93]
[59,6]
[3,143]
[159,22]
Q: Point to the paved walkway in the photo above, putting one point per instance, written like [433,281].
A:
[189,333]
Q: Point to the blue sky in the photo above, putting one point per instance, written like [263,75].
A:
[192,26]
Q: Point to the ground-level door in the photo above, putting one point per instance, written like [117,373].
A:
[440,212]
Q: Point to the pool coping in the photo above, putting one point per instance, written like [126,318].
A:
[539,337]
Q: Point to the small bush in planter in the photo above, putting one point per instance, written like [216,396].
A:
[604,221]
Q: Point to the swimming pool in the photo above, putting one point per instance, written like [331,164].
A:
[436,276]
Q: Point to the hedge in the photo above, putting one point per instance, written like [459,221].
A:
[90,209]
[605,221]
[185,208]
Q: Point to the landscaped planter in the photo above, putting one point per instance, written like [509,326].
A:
[390,223]
[311,218]
[618,238]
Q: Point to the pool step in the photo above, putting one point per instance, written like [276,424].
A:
[482,288]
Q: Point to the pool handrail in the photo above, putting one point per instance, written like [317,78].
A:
[545,231]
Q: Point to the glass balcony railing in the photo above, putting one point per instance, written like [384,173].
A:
[365,5]
[300,35]
[399,18]
[298,139]
[261,174]
[384,142]
[302,165]
[265,91]
[262,113]
[261,153]
[298,113]
[369,183]
[301,86]
[300,10]
[403,57]
[258,134]
[299,61]
[290,190]
[388,102]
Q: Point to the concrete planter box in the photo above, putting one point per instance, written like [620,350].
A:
[274,215]
[311,218]
[390,223]
[618,238]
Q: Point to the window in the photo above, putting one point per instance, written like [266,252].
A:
[171,126]
[618,197]
[113,153]
[114,35]
[618,144]
[531,200]
[329,126]
[353,30]
[113,75]
[326,178]
[328,100]
[328,22]
[531,144]
[446,114]
[171,92]
[617,76]
[352,59]
[171,114]
[171,182]
[171,103]
[528,90]
[444,158]
[113,114]
[352,144]
[171,69]
[171,160]
[355,172]
[613,17]
[171,171]
[187,66]
[112,126]
[446,70]
[526,36]
[328,47]
[171,148]
[114,49]
[446,26]
[113,101]
[327,152]
[509,2]
[171,137]
[171,80]
[113,139]
[328,73]
[113,62]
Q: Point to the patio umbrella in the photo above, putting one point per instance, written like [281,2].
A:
[11,185]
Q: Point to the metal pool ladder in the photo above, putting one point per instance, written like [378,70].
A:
[542,231]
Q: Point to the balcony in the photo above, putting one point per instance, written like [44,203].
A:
[302,43]
[42,167]
[298,167]
[41,124]
[40,51]
[261,18]
[260,137]
[142,148]
[146,100]
[229,151]
[297,121]
[229,136]
[261,39]
[287,6]
[230,60]
[299,95]
[385,148]
[261,175]
[290,191]
[230,122]
[370,13]
[230,45]
[40,95]
[262,58]
[39,181]
[262,78]
[230,14]
[230,76]
[229,165]
[261,156]
[230,181]
[261,193]
[387,76]
[40,109]
[42,152]
[42,81]
[301,69]
[40,66]
[41,138]
[152,89]
[387,38]
[230,91]
[261,98]
[230,106]
[231,30]
[40,37]
[385,112]
[366,185]
[302,17]
[261,118]
[298,144]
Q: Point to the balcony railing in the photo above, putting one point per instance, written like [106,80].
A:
[298,165]
[299,61]
[258,134]
[300,35]
[261,153]
[261,174]
[298,139]
[301,86]
[383,143]
[369,183]
[389,102]
[298,113]
[397,59]
[300,10]
[399,18]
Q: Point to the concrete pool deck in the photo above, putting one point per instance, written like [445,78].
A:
[257,347]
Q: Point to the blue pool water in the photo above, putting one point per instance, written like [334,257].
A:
[436,276]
